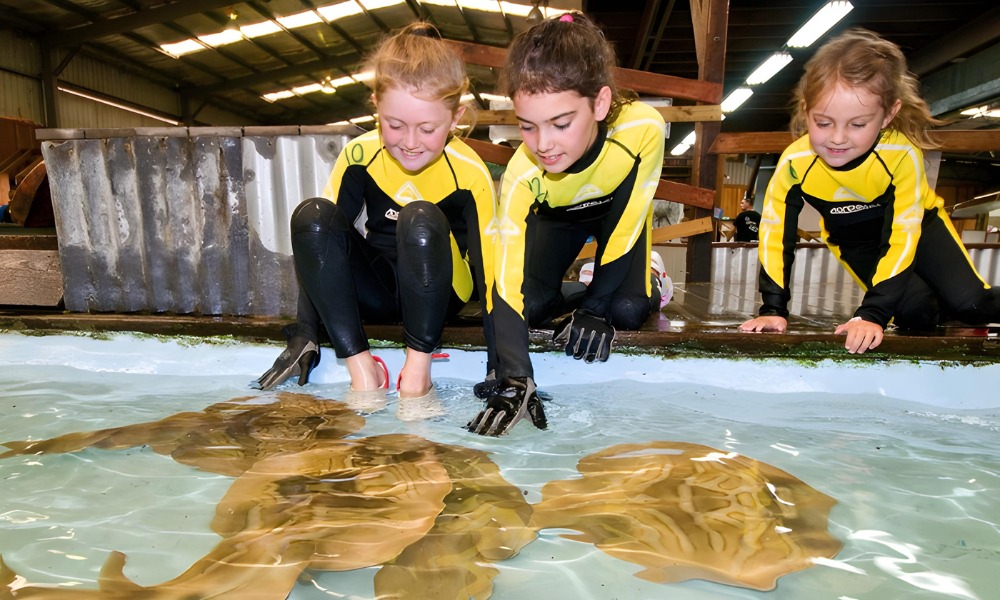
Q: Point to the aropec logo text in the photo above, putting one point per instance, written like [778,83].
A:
[392,214]
[849,209]
[589,204]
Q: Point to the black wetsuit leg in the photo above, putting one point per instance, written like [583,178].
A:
[551,247]
[425,273]
[630,306]
[918,307]
[342,279]
[942,281]
[942,262]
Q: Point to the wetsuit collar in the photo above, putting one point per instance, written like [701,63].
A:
[593,152]
[857,161]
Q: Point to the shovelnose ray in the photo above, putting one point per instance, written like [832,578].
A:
[485,519]
[432,549]
[234,570]
[360,502]
[433,514]
[340,505]
[685,511]
[226,438]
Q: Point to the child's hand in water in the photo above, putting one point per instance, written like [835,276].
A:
[769,323]
[861,335]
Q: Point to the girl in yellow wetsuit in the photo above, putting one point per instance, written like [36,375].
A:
[861,166]
[588,168]
[396,235]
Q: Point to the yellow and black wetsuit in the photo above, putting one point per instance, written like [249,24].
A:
[385,244]
[544,220]
[884,224]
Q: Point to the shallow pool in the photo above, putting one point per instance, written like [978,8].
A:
[908,450]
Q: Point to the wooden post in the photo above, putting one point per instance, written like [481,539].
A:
[49,92]
[710,19]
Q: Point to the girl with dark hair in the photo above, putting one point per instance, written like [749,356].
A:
[588,168]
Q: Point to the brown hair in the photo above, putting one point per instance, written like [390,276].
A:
[860,58]
[565,53]
[416,58]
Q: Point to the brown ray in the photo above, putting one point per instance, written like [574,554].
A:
[236,569]
[226,438]
[485,518]
[360,502]
[355,503]
[686,511]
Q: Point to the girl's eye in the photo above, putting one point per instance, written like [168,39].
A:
[395,127]
[858,125]
[526,128]
[562,126]
[427,131]
[822,124]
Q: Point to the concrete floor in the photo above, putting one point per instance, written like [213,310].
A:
[700,320]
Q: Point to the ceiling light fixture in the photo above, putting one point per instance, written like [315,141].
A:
[535,14]
[770,68]
[820,23]
[685,144]
[736,98]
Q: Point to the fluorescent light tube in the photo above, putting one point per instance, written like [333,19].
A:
[822,21]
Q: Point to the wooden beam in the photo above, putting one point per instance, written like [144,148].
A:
[710,19]
[775,142]
[493,153]
[641,81]
[689,114]
[664,234]
[685,194]
[669,86]
[751,143]
[480,54]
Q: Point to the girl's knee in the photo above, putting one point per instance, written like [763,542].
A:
[422,224]
[314,215]
[629,311]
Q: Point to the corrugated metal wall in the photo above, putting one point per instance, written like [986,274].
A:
[20,89]
[819,282]
[182,221]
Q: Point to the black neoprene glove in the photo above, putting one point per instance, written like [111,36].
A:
[489,386]
[588,336]
[299,358]
[515,399]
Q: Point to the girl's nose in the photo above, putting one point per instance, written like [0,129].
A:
[544,143]
[410,139]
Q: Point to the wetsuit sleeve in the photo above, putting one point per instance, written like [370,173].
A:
[332,187]
[483,257]
[899,239]
[778,235]
[509,322]
[636,218]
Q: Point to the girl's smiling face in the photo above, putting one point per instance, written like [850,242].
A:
[559,127]
[414,130]
[845,123]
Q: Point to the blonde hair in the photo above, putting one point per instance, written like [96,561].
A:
[417,59]
[860,58]
[565,53]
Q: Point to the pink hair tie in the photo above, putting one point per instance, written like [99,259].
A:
[566,18]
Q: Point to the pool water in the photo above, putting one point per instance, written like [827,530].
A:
[909,451]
